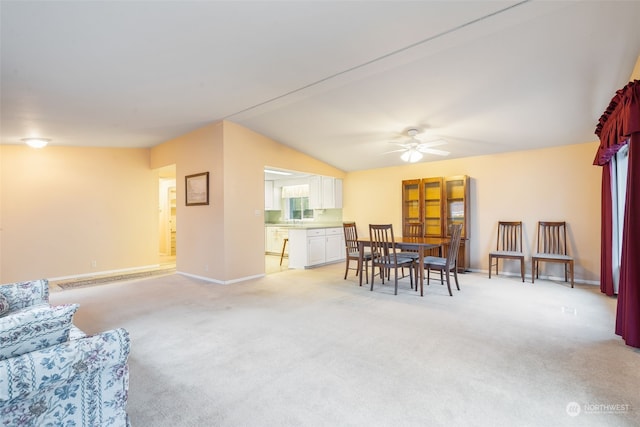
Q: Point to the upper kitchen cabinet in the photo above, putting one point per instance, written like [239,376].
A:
[271,197]
[325,192]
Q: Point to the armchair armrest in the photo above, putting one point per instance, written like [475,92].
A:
[54,367]
[25,294]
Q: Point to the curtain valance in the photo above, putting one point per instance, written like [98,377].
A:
[618,122]
[291,191]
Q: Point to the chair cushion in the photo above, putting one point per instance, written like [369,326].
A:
[388,260]
[366,254]
[434,260]
[404,260]
[558,257]
[34,328]
[412,255]
[506,253]
[4,305]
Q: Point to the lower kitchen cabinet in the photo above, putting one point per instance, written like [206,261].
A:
[274,240]
[315,246]
[334,249]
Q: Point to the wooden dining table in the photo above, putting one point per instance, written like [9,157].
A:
[419,244]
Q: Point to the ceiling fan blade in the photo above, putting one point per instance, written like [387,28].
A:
[400,143]
[395,151]
[434,143]
[433,151]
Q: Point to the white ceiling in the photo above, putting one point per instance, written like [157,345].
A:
[336,80]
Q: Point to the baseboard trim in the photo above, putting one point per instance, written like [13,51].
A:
[527,277]
[220,282]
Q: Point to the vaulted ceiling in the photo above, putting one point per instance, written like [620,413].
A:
[337,80]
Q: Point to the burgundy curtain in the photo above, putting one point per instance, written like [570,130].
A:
[606,230]
[619,125]
[628,314]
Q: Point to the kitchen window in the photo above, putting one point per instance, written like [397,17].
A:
[298,208]
[296,202]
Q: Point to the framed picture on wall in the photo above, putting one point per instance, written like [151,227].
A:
[197,189]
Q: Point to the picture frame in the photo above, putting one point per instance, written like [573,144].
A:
[197,189]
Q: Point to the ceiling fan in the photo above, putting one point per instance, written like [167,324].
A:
[413,149]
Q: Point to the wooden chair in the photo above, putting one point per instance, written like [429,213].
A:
[508,246]
[446,265]
[284,246]
[411,229]
[552,247]
[384,254]
[353,254]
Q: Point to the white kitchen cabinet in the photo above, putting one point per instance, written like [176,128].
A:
[272,200]
[274,239]
[269,239]
[338,194]
[331,193]
[334,249]
[325,192]
[315,246]
[315,192]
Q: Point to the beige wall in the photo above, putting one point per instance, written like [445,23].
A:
[224,242]
[557,183]
[200,229]
[246,153]
[63,208]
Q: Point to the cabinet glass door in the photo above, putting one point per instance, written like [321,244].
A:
[433,213]
[456,188]
[411,201]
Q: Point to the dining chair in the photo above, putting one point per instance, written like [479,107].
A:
[552,247]
[411,229]
[284,246]
[446,265]
[508,245]
[353,252]
[384,254]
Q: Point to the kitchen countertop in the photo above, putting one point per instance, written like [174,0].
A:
[309,225]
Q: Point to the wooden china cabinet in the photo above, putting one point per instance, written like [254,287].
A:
[438,202]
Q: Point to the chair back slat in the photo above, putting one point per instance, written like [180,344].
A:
[350,237]
[383,246]
[454,245]
[413,229]
[509,236]
[552,237]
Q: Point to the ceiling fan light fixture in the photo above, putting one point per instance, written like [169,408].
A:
[411,155]
[36,142]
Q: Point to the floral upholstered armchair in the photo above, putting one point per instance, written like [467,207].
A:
[51,373]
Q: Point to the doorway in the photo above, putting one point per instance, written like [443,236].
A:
[167,219]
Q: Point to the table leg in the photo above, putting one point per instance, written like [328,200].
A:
[360,260]
[421,267]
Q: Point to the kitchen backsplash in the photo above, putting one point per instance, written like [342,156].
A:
[328,215]
[320,215]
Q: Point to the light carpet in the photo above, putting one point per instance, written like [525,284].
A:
[307,348]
